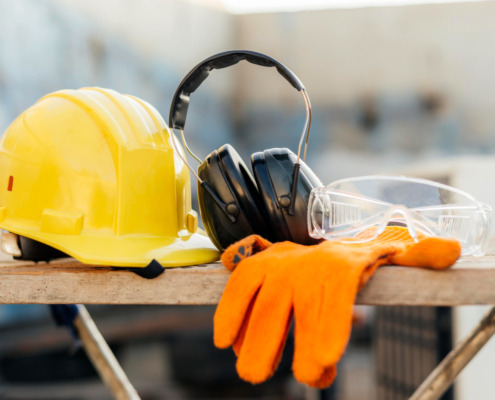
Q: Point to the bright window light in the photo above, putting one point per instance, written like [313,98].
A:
[263,6]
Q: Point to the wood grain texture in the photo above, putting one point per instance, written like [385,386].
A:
[470,281]
[69,281]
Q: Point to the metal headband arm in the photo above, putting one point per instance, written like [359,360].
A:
[180,104]
[230,209]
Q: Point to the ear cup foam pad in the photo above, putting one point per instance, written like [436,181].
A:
[273,172]
[228,177]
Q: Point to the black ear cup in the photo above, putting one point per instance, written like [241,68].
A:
[230,179]
[274,174]
[233,203]
[263,204]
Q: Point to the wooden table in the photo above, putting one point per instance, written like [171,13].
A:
[470,282]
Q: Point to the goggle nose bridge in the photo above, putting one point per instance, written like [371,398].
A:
[395,211]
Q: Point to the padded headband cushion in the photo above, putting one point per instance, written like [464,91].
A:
[273,171]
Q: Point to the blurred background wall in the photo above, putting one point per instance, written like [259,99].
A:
[142,48]
[389,85]
[392,87]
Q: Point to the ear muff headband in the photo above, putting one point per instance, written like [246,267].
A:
[180,104]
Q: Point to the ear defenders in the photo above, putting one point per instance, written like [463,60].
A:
[273,200]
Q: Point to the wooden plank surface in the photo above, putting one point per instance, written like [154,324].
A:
[470,281]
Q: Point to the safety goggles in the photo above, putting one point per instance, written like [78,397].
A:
[347,207]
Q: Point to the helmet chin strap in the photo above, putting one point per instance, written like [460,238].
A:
[152,270]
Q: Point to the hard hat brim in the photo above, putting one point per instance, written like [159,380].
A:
[105,249]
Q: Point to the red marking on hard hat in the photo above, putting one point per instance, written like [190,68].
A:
[11,183]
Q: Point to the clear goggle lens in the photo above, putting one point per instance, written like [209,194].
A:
[347,207]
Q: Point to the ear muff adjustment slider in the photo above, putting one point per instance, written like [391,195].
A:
[229,209]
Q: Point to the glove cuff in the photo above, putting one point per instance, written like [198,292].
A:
[242,249]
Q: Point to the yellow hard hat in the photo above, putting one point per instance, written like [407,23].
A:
[93,173]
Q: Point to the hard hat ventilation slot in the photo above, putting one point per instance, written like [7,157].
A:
[11,183]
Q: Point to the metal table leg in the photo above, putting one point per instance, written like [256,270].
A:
[102,357]
[444,374]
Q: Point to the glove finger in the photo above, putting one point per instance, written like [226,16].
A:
[321,297]
[326,379]
[243,284]
[237,345]
[335,325]
[430,252]
[266,331]
[241,288]
[338,298]
[242,333]
[307,308]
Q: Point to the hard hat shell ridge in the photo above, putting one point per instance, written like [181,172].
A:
[93,173]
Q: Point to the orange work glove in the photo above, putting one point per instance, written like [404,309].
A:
[317,285]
